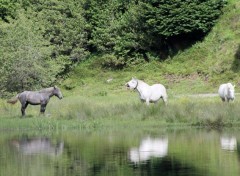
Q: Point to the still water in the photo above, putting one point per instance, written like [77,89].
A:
[167,152]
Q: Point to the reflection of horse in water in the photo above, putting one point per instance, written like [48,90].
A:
[157,147]
[228,143]
[38,146]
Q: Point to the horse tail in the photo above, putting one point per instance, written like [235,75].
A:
[13,100]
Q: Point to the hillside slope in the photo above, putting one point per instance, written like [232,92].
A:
[199,69]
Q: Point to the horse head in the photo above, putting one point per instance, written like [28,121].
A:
[57,92]
[132,84]
[230,90]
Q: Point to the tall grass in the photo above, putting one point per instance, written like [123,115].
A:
[112,111]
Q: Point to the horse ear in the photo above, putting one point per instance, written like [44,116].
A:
[54,87]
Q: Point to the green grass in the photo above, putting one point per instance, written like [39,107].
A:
[122,111]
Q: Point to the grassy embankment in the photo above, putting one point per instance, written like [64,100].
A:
[90,102]
[122,111]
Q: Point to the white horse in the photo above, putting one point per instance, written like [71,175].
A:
[148,94]
[226,92]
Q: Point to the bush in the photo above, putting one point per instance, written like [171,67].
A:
[113,62]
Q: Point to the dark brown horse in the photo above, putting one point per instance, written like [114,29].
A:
[41,97]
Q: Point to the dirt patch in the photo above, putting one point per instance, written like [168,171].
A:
[178,78]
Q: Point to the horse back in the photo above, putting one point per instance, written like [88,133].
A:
[158,87]
[158,90]
[32,97]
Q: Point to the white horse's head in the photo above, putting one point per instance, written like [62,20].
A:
[230,90]
[132,84]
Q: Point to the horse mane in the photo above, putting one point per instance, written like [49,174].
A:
[142,82]
[46,90]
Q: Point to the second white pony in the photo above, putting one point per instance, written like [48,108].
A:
[226,92]
[148,94]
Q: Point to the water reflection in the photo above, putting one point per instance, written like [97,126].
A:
[149,147]
[38,146]
[182,152]
[228,143]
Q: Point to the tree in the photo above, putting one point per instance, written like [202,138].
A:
[7,9]
[137,29]
[63,25]
[25,56]
[171,18]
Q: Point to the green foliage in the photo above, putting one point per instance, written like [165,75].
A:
[130,29]
[111,61]
[25,56]
[69,84]
[7,9]
[124,33]
[63,26]
[171,18]
[102,17]
[40,43]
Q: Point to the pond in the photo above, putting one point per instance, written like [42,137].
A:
[122,152]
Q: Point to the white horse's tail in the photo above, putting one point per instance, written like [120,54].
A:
[13,100]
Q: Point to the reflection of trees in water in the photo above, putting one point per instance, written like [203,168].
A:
[38,146]
[238,150]
[166,166]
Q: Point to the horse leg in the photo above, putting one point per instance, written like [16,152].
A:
[43,108]
[223,99]
[23,108]
[147,101]
[226,99]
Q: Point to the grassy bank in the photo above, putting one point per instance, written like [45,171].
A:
[122,111]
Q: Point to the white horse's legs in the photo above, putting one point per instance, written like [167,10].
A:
[147,101]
